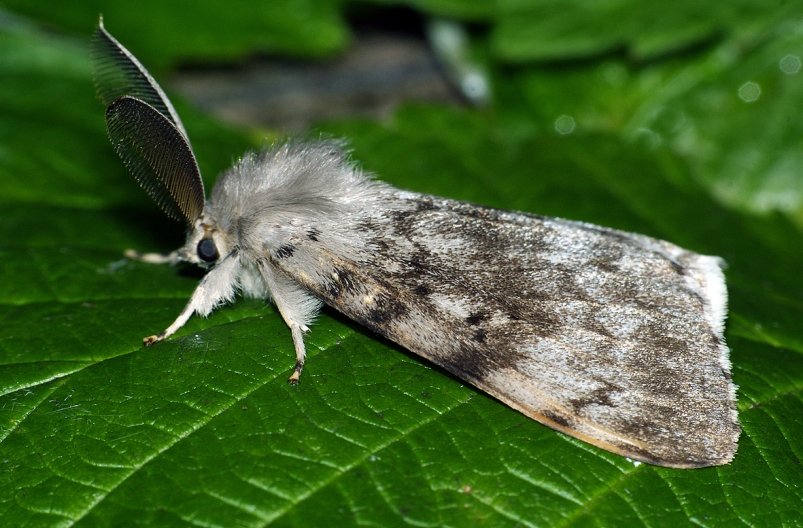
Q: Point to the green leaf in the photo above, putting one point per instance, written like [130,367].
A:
[203,428]
[727,110]
[482,10]
[162,33]
[557,29]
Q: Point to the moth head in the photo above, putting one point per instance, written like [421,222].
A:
[147,134]
[206,244]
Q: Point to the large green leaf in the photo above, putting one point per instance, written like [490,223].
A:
[729,110]
[561,29]
[549,30]
[203,429]
[160,33]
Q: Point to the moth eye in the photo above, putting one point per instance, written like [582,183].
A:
[207,250]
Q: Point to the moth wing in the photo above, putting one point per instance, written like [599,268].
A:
[157,155]
[610,337]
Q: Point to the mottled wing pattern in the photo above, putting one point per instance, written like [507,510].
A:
[611,337]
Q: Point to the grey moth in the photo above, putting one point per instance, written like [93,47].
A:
[611,337]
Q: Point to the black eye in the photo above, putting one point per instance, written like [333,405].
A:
[207,251]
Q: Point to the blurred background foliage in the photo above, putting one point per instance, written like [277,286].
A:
[676,120]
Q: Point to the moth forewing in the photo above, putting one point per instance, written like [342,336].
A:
[611,337]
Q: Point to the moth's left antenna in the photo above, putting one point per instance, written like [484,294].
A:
[145,129]
[117,73]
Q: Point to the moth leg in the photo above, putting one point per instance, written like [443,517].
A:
[182,318]
[297,330]
[301,351]
[153,258]
[296,306]
[216,287]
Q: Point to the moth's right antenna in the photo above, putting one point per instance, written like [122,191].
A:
[145,129]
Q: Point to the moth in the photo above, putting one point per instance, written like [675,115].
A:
[611,337]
